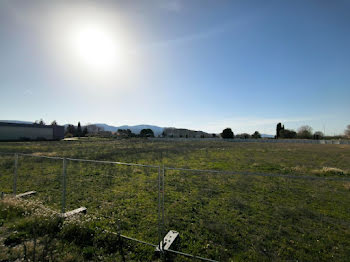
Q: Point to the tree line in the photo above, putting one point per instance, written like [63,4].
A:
[72,131]
[93,130]
[127,133]
[304,132]
[227,133]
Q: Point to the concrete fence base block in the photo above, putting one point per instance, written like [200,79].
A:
[74,212]
[168,240]
[29,193]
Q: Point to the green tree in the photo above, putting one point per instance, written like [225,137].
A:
[243,136]
[125,133]
[279,128]
[70,130]
[256,135]
[227,133]
[79,131]
[286,133]
[146,133]
[85,131]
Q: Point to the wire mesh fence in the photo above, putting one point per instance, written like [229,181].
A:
[239,217]
[122,192]
[206,216]
[7,167]
[42,175]
[220,215]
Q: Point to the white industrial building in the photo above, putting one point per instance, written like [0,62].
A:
[23,132]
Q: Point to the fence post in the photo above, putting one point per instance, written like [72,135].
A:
[15,175]
[163,222]
[159,210]
[120,242]
[64,185]
[161,225]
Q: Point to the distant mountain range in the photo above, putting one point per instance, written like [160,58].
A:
[135,129]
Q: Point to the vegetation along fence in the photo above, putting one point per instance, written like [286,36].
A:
[219,215]
[260,140]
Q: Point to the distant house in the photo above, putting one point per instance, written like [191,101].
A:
[23,132]
[184,133]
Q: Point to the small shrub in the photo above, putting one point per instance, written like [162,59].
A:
[14,239]
[79,235]
[88,252]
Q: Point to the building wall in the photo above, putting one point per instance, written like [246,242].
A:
[58,132]
[30,132]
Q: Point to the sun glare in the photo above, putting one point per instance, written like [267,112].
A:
[96,48]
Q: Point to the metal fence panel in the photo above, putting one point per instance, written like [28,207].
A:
[7,169]
[238,217]
[220,215]
[115,192]
[42,175]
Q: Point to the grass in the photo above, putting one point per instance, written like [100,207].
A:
[223,217]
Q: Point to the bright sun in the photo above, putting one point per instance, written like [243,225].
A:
[96,48]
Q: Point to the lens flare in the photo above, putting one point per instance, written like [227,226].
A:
[95,47]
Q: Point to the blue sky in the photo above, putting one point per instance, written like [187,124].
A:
[200,64]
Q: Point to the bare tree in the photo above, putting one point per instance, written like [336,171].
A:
[94,129]
[318,135]
[39,122]
[347,131]
[305,132]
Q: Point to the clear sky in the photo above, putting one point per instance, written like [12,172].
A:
[202,65]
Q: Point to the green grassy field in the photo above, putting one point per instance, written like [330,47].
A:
[227,217]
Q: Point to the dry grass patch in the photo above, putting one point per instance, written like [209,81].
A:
[52,153]
[347,185]
[330,170]
[296,169]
